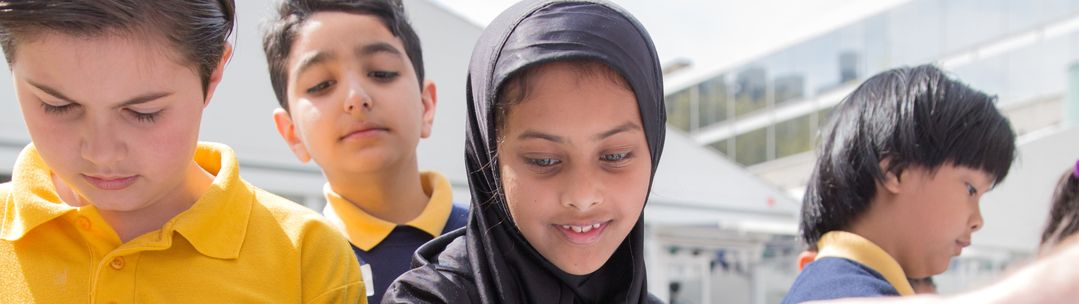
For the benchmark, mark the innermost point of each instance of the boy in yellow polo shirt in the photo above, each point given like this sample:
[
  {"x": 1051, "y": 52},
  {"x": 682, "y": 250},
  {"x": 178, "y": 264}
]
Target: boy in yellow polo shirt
[
  {"x": 348, "y": 76},
  {"x": 894, "y": 194},
  {"x": 115, "y": 200}
]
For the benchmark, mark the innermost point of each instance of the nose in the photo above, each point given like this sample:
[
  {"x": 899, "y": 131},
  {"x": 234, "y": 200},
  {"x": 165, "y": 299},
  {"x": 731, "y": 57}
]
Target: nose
[
  {"x": 101, "y": 144},
  {"x": 357, "y": 99},
  {"x": 582, "y": 191},
  {"x": 976, "y": 220}
]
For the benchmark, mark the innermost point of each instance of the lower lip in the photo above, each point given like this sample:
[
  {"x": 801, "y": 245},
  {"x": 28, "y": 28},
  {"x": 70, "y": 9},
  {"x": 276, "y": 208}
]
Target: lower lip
[
  {"x": 111, "y": 183},
  {"x": 583, "y": 238},
  {"x": 363, "y": 134},
  {"x": 959, "y": 247}
]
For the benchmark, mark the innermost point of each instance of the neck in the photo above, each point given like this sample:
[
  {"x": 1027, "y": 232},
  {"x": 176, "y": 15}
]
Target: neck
[
  {"x": 133, "y": 223},
  {"x": 879, "y": 225},
  {"x": 392, "y": 193}
]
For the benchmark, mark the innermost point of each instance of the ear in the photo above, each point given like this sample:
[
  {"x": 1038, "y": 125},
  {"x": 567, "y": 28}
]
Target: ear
[
  {"x": 891, "y": 179},
  {"x": 219, "y": 71},
  {"x": 287, "y": 130},
  {"x": 429, "y": 98}
]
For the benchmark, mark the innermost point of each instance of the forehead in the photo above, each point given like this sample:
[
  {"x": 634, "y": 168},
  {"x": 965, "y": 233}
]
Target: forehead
[
  {"x": 338, "y": 32},
  {"x": 563, "y": 99},
  {"x": 90, "y": 68}
]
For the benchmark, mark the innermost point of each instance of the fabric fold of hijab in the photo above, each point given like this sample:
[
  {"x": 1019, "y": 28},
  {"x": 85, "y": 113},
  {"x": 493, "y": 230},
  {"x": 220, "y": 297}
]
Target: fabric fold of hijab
[{"x": 506, "y": 267}]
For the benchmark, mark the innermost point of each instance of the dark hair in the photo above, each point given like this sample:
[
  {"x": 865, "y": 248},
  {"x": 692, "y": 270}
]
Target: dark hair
[
  {"x": 281, "y": 33},
  {"x": 1064, "y": 215},
  {"x": 913, "y": 117},
  {"x": 515, "y": 89},
  {"x": 196, "y": 30}
]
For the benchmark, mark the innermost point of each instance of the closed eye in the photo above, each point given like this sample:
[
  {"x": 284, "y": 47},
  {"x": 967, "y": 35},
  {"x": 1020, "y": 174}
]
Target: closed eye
[
  {"x": 58, "y": 110},
  {"x": 321, "y": 86}
]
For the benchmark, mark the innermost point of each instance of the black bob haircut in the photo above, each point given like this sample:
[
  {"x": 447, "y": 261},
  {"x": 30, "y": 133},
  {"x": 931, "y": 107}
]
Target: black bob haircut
[
  {"x": 292, "y": 14},
  {"x": 914, "y": 117}
]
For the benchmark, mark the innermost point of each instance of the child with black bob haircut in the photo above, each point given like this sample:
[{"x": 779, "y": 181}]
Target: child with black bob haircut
[{"x": 903, "y": 163}]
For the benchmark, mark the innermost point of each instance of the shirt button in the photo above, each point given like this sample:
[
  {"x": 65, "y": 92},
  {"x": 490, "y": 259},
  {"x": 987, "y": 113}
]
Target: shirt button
[
  {"x": 117, "y": 263},
  {"x": 83, "y": 222}
]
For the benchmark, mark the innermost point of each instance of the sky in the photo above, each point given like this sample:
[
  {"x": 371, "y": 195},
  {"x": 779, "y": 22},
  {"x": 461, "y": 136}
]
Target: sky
[{"x": 713, "y": 34}]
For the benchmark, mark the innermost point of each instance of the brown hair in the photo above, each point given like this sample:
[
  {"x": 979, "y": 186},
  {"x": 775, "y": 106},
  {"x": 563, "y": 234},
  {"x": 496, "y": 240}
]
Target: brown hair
[
  {"x": 196, "y": 30},
  {"x": 1064, "y": 214}
]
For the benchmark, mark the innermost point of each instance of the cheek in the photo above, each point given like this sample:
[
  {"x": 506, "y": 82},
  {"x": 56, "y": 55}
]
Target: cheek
[{"x": 167, "y": 145}]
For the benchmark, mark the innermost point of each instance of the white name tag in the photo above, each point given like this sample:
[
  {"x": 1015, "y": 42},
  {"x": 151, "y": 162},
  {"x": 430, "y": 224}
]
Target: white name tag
[{"x": 368, "y": 279}]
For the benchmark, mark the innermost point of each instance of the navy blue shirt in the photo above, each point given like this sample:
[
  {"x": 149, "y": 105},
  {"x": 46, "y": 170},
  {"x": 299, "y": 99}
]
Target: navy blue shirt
[
  {"x": 391, "y": 257},
  {"x": 836, "y": 278}
]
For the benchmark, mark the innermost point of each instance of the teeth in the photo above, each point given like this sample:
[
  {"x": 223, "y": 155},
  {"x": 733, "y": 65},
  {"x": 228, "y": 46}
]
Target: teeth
[{"x": 581, "y": 229}]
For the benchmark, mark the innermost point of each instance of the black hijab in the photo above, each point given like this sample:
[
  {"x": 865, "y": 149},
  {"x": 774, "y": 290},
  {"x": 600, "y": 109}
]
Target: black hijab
[{"x": 493, "y": 263}]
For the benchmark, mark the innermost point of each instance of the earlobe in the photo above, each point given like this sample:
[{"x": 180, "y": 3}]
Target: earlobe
[
  {"x": 219, "y": 71},
  {"x": 287, "y": 130},
  {"x": 429, "y": 98}
]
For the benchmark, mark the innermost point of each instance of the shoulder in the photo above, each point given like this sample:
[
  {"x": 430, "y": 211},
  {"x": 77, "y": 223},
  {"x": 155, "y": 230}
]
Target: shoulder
[
  {"x": 441, "y": 274},
  {"x": 301, "y": 224},
  {"x": 835, "y": 278},
  {"x": 458, "y": 218}
]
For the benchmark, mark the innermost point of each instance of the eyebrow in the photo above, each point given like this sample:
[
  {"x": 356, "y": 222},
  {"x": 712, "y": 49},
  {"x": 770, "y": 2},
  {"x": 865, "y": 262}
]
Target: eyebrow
[
  {"x": 312, "y": 60},
  {"x": 375, "y": 48},
  {"x": 320, "y": 57},
  {"x": 133, "y": 101},
  {"x": 626, "y": 127}
]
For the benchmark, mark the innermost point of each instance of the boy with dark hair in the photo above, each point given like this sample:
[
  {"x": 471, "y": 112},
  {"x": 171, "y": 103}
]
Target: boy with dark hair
[
  {"x": 348, "y": 76},
  {"x": 894, "y": 194}
]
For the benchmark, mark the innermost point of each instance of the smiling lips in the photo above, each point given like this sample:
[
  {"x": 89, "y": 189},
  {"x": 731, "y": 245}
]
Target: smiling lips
[{"x": 583, "y": 234}]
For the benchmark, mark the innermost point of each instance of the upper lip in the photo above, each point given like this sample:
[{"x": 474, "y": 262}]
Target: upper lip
[
  {"x": 584, "y": 222},
  {"x": 107, "y": 176},
  {"x": 361, "y": 127}
]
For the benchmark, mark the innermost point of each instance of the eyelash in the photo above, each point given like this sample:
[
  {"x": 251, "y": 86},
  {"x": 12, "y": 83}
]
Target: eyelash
[
  {"x": 550, "y": 162},
  {"x": 145, "y": 117},
  {"x": 384, "y": 76},
  {"x": 57, "y": 110},
  {"x": 61, "y": 110},
  {"x": 321, "y": 86},
  {"x": 971, "y": 190}
]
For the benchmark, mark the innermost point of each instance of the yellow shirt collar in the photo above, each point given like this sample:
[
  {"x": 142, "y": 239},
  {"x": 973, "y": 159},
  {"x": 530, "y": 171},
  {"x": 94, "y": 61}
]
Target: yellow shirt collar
[
  {"x": 215, "y": 225},
  {"x": 366, "y": 231},
  {"x": 32, "y": 199},
  {"x": 842, "y": 244}
]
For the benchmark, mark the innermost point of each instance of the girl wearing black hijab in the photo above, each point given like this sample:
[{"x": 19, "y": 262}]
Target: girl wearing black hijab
[{"x": 565, "y": 129}]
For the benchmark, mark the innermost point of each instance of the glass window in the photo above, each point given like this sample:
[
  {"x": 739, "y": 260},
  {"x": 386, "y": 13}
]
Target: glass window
[
  {"x": 794, "y": 136},
  {"x": 713, "y": 100},
  {"x": 751, "y": 93},
  {"x": 751, "y": 148},
  {"x": 721, "y": 147},
  {"x": 678, "y": 110},
  {"x": 789, "y": 88},
  {"x": 915, "y": 32}
]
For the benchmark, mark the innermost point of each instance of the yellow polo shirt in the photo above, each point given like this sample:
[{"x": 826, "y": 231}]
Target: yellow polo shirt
[
  {"x": 842, "y": 244},
  {"x": 236, "y": 244},
  {"x": 366, "y": 231}
]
